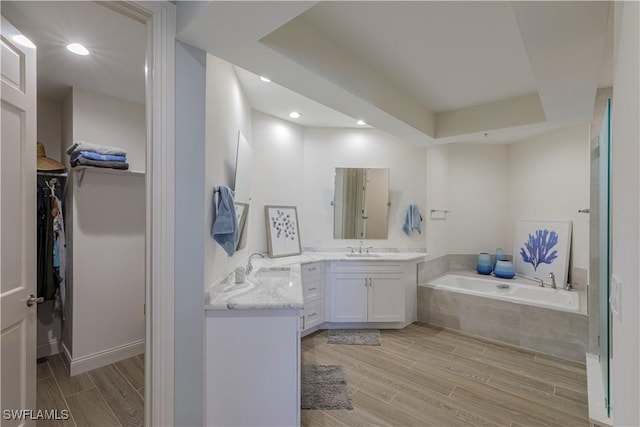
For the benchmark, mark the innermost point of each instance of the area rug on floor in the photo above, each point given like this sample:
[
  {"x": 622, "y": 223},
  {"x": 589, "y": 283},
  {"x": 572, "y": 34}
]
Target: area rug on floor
[
  {"x": 354, "y": 336},
  {"x": 324, "y": 387}
]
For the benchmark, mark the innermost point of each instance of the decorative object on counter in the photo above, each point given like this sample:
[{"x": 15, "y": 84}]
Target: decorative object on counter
[
  {"x": 412, "y": 220},
  {"x": 484, "y": 263},
  {"x": 224, "y": 228},
  {"x": 283, "y": 234},
  {"x": 499, "y": 256},
  {"x": 99, "y": 156},
  {"x": 324, "y": 387},
  {"x": 542, "y": 247},
  {"x": 354, "y": 336},
  {"x": 240, "y": 274},
  {"x": 242, "y": 210},
  {"x": 504, "y": 269},
  {"x": 44, "y": 163}
]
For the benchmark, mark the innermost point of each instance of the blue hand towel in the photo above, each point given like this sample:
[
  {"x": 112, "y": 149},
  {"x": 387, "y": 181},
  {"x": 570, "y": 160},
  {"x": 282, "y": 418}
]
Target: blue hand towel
[
  {"x": 225, "y": 223},
  {"x": 97, "y": 156},
  {"x": 413, "y": 220}
]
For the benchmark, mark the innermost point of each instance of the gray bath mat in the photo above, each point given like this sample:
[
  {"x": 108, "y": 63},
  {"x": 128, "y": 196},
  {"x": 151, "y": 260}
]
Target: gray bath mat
[
  {"x": 354, "y": 336},
  {"x": 324, "y": 387}
]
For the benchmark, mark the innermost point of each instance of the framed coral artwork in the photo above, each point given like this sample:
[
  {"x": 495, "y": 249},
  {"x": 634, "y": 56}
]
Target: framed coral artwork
[
  {"x": 283, "y": 235},
  {"x": 541, "y": 247}
]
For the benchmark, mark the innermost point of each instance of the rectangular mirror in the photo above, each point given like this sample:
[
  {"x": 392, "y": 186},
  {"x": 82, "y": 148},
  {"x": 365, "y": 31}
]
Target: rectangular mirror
[
  {"x": 361, "y": 203},
  {"x": 242, "y": 190}
]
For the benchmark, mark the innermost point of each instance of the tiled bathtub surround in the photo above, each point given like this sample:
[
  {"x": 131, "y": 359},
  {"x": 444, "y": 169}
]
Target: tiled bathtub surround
[{"x": 559, "y": 333}]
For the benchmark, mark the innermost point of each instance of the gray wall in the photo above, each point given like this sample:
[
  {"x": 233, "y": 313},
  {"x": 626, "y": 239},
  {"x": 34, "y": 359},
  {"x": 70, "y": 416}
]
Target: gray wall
[{"x": 189, "y": 239}]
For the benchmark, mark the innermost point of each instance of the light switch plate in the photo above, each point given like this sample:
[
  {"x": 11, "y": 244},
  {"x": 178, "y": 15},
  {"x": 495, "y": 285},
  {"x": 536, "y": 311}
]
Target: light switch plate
[{"x": 615, "y": 298}]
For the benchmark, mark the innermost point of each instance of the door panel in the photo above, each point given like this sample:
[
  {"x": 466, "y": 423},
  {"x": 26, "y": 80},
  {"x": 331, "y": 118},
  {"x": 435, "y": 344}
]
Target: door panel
[
  {"x": 348, "y": 298},
  {"x": 386, "y": 299},
  {"x": 17, "y": 224}
]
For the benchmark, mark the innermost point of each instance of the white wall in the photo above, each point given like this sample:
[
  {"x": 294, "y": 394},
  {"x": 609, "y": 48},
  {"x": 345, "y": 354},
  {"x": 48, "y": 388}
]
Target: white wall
[
  {"x": 277, "y": 175},
  {"x": 105, "y": 120},
  {"x": 549, "y": 178},
  {"x": 483, "y": 184},
  {"x": 189, "y": 238},
  {"x": 227, "y": 112},
  {"x": 477, "y": 198},
  {"x": 295, "y": 166},
  {"x": 625, "y": 212},
  {"x": 50, "y": 127},
  {"x": 328, "y": 148}
]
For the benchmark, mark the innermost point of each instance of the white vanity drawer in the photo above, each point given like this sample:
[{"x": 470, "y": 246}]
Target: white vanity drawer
[
  {"x": 312, "y": 269},
  {"x": 313, "y": 314},
  {"x": 312, "y": 287}
]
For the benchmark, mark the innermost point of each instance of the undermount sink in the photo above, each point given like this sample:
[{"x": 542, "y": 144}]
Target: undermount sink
[
  {"x": 273, "y": 272},
  {"x": 362, "y": 255}
]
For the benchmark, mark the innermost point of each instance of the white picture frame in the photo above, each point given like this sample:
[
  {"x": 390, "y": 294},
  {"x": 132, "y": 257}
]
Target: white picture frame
[
  {"x": 283, "y": 233},
  {"x": 541, "y": 247}
]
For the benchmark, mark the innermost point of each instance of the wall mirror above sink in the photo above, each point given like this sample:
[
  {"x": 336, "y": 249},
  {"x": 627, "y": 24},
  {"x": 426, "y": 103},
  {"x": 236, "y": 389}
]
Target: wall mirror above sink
[
  {"x": 242, "y": 186},
  {"x": 361, "y": 203}
]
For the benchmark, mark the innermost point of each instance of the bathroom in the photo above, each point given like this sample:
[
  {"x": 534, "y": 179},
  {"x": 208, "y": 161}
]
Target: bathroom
[{"x": 543, "y": 174}]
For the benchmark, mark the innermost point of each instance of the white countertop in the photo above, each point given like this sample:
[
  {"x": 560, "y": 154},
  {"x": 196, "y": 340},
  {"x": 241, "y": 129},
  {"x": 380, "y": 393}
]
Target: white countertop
[{"x": 265, "y": 288}]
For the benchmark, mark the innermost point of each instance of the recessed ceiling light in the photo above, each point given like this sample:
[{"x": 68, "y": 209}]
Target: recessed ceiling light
[
  {"x": 24, "y": 41},
  {"x": 78, "y": 49},
  {"x": 361, "y": 122},
  {"x": 264, "y": 79},
  {"x": 294, "y": 115}
]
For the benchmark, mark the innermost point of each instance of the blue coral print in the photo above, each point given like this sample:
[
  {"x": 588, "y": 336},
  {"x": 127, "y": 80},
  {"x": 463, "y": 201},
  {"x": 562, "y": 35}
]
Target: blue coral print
[{"x": 538, "y": 248}]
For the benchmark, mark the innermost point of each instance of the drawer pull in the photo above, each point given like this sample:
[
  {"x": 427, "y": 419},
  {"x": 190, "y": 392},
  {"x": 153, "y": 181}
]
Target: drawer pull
[
  {"x": 313, "y": 289},
  {"x": 312, "y": 314},
  {"x": 312, "y": 269}
]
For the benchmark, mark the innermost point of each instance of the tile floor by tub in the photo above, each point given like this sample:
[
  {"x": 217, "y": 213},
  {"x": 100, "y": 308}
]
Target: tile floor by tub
[
  {"x": 428, "y": 376},
  {"x": 111, "y": 396}
]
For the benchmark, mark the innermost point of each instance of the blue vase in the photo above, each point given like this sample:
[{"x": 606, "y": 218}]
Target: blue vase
[
  {"x": 499, "y": 256},
  {"x": 484, "y": 263},
  {"x": 504, "y": 270}
]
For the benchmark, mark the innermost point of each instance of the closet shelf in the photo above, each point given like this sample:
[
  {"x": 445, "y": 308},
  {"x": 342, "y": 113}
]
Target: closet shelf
[{"x": 82, "y": 170}]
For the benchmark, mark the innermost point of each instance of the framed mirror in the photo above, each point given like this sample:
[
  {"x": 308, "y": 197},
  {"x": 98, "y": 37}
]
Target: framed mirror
[
  {"x": 361, "y": 203},
  {"x": 242, "y": 186}
]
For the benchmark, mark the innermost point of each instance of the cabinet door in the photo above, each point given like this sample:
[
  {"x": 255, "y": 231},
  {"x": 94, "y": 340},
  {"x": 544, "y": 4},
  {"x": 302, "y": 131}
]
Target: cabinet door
[
  {"x": 348, "y": 298},
  {"x": 386, "y": 299}
]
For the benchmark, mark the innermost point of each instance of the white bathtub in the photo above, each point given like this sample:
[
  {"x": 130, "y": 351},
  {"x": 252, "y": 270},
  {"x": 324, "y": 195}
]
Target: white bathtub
[{"x": 515, "y": 291}]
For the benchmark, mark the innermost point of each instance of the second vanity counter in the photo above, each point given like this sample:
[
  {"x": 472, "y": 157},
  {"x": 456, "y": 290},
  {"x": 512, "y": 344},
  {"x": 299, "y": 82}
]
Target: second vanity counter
[{"x": 277, "y": 284}]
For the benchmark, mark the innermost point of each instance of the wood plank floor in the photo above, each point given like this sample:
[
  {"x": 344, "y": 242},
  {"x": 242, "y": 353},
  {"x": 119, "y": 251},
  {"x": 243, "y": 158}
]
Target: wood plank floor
[
  {"x": 428, "y": 376},
  {"x": 111, "y": 396}
]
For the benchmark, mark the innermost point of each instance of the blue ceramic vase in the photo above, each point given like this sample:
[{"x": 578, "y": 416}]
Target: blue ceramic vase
[
  {"x": 504, "y": 269},
  {"x": 484, "y": 263},
  {"x": 499, "y": 256}
]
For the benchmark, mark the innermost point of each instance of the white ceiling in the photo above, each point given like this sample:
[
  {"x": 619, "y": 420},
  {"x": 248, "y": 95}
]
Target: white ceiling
[
  {"x": 117, "y": 44},
  {"x": 424, "y": 71}
]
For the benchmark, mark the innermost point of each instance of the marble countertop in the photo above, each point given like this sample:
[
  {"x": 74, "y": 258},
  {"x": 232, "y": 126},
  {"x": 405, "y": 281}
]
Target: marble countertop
[{"x": 276, "y": 283}]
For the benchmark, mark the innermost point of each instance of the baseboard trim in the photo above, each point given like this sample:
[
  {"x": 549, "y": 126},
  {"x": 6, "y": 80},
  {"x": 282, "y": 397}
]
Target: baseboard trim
[
  {"x": 104, "y": 358},
  {"x": 48, "y": 349}
]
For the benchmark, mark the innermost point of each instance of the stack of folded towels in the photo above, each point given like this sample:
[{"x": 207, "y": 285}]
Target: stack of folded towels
[{"x": 100, "y": 156}]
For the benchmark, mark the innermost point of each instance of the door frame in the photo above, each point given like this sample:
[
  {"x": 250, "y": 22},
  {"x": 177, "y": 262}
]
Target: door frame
[{"x": 159, "y": 17}]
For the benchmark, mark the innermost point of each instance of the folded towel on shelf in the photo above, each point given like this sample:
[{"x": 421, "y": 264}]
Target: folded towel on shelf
[
  {"x": 412, "y": 220},
  {"x": 224, "y": 229},
  {"x": 83, "y": 161},
  {"x": 97, "y": 156},
  {"x": 96, "y": 148}
]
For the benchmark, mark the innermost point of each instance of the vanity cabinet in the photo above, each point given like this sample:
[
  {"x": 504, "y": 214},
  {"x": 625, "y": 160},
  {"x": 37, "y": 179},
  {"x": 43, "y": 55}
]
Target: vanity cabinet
[
  {"x": 312, "y": 314},
  {"x": 367, "y": 292}
]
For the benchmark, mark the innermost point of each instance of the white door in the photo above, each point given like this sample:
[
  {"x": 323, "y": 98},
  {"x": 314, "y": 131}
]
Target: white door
[
  {"x": 386, "y": 299},
  {"x": 17, "y": 226},
  {"x": 348, "y": 298}
]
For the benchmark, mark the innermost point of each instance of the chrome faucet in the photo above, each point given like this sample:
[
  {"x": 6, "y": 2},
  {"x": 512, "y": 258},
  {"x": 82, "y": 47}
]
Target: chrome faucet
[
  {"x": 249, "y": 267},
  {"x": 361, "y": 246},
  {"x": 553, "y": 280},
  {"x": 541, "y": 282}
]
